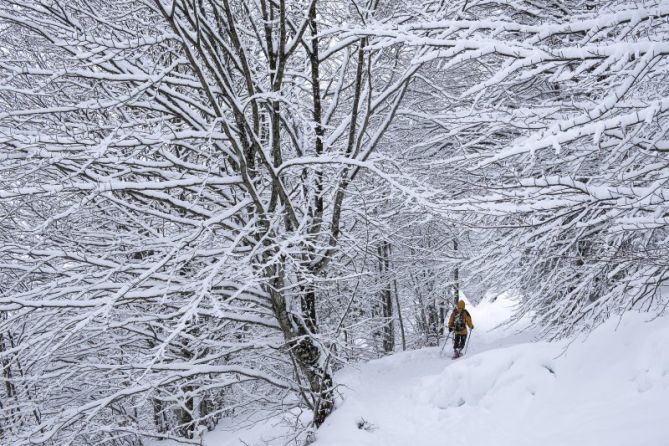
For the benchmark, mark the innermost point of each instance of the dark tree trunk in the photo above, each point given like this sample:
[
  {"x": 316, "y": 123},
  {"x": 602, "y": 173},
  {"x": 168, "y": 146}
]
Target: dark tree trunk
[
  {"x": 386, "y": 298},
  {"x": 159, "y": 416},
  {"x": 299, "y": 333},
  {"x": 456, "y": 278},
  {"x": 399, "y": 315}
]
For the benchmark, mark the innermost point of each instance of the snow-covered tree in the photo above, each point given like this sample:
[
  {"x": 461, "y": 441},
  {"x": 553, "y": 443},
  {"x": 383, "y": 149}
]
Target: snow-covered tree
[
  {"x": 176, "y": 173},
  {"x": 208, "y": 205},
  {"x": 549, "y": 122}
]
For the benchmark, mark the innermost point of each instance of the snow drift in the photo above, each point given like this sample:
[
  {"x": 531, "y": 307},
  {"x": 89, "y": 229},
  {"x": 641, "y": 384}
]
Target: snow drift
[{"x": 609, "y": 388}]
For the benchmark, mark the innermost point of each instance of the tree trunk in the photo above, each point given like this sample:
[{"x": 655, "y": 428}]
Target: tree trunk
[
  {"x": 159, "y": 416},
  {"x": 399, "y": 316},
  {"x": 456, "y": 278},
  {"x": 388, "y": 334},
  {"x": 299, "y": 331}
]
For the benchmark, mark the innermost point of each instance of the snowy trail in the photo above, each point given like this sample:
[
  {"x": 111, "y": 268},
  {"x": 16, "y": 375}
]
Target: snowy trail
[
  {"x": 384, "y": 395},
  {"x": 609, "y": 389},
  {"x": 389, "y": 394}
]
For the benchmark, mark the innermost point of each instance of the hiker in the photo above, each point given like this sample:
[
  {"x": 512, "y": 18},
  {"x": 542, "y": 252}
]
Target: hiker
[{"x": 457, "y": 324}]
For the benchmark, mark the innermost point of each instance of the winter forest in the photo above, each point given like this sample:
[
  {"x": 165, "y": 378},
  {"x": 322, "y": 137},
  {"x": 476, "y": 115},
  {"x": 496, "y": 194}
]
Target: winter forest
[{"x": 213, "y": 211}]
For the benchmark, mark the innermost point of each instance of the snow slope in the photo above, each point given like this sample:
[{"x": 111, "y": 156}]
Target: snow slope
[{"x": 610, "y": 388}]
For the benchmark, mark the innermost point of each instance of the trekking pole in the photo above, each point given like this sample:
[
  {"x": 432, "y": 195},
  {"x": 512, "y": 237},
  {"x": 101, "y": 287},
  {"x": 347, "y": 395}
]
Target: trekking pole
[
  {"x": 471, "y": 333},
  {"x": 441, "y": 352}
]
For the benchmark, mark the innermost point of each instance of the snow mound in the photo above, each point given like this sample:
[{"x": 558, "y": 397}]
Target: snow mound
[
  {"x": 608, "y": 388},
  {"x": 496, "y": 380}
]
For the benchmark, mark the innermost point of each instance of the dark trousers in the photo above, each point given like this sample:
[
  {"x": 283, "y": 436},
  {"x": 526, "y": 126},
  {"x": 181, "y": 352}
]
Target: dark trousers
[{"x": 459, "y": 341}]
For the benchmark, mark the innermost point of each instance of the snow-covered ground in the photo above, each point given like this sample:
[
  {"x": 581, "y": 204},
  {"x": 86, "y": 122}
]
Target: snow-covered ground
[{"x": 610, "y": 388}]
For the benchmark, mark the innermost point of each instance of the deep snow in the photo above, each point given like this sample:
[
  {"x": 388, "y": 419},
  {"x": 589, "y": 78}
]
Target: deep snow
[{"x": 610, "y": 388}]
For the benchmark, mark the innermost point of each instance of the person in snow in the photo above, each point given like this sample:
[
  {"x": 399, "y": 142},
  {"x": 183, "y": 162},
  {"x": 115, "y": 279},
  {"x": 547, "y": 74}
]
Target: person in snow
[{"x": 457, "y": 324}]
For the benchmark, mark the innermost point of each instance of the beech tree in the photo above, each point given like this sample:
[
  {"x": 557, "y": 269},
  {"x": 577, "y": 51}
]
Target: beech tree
[{"x": 176, "y": 173}]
